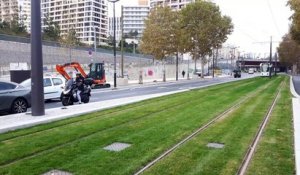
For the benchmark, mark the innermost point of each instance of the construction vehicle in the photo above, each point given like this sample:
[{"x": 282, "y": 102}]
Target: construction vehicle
[{"x": 96, "y": 76}]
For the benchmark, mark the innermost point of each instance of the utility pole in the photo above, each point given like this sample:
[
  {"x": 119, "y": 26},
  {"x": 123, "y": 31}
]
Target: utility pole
[
  {"x": 213, "y": 64},
  {"x": 275, "y": 64},
  {"x": 37, "y": 88},
  {"x": 270, "y": 71},
  {"x": 122, "y": 43},
  {"x": 95, "y": 43}
]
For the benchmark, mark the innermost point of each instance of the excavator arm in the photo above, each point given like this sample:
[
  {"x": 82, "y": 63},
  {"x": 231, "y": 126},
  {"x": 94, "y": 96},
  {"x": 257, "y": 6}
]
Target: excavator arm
[{"x": 75, "y": 65}]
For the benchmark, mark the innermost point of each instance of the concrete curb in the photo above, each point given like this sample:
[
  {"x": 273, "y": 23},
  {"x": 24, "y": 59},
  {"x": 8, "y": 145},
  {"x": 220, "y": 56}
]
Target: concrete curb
[
  {"x": 296, "y": 119},
  {"x": 20, "y": 121}
]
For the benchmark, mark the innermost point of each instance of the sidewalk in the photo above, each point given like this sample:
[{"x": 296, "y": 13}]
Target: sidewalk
[
  {"x": 296, "y": 117},
  {"x": 23, "y": 120}
]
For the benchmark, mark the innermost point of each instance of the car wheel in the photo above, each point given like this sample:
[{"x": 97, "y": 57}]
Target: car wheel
[{"x": 19, "y": 106}]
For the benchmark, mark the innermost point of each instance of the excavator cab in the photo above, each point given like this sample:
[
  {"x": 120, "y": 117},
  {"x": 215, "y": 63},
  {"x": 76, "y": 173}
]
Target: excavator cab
[{"x": 97, "y": 71}]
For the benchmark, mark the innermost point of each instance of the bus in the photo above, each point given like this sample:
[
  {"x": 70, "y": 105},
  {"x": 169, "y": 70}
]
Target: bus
[{"x": 265, "y": 69}]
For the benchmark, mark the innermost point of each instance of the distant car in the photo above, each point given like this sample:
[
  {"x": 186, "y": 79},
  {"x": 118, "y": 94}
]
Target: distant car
[
  {"x": 198, "y": 72},
  {"x": 53, "y": 86},
  {"x": 251, "y": 71},
  {"x": 236, "y": 73},
  {"x": 14, "y": 98}
]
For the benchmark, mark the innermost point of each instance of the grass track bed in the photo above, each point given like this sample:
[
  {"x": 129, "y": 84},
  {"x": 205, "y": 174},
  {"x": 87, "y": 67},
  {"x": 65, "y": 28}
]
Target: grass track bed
[
  {"x": 115, "y": 111},
  {"x": 277, "y": 141},
  {"x": 149, "y": 135},
  {"x": 236, "y": 131},
  {"x": 33, "y": 144}
]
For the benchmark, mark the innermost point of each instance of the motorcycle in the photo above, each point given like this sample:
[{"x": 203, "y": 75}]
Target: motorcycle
[{"x": 69, "y": 94}]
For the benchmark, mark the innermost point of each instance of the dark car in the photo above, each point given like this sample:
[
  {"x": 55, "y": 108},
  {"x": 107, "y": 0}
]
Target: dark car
[
  {"x": 13, "y": 97},
  {"x": 236, "y": 73}
]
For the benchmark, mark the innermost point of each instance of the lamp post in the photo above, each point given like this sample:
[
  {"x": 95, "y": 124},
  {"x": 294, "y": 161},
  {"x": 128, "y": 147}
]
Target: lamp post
[
  {"x": 115, "y": 59},
  {"x": 37, "y": 98},
  {"x": 270, "y": 61},
  {"x": 95, "y": 44}
]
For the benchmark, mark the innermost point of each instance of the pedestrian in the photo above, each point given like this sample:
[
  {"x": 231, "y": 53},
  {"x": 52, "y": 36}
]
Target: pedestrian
[
  {"x": 183, "y": 73},
  {"x": 80, "y": 87}
]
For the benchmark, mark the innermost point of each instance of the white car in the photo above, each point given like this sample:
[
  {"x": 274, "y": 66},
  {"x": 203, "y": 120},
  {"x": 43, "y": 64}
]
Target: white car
[
  {"x": 251, "y": 71},
  {"x": 53, "y": 86}
]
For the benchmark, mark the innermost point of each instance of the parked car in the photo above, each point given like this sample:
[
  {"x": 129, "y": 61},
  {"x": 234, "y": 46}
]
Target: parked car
[
  {"x": 236, "y": 73},
  {"x": 53, "y": 86},
  {"x": 251, "y": 71},
  {"x": 14, "y": 98}
]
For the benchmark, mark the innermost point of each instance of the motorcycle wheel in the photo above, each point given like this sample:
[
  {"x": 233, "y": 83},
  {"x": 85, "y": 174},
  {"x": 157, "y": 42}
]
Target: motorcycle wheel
[
  {"x": 85, "y": 99},
  {"x": 66, "y": 101}
]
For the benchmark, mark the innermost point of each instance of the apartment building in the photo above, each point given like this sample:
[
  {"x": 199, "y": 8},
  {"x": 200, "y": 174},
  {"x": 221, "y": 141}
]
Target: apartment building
[
  {"x": 87, "y": 17},
  {"x": 143, "y": 2},
  {"x": 134, "y": 19},
  {"x": 174, "y": 4},
  {"x": 20, "y": 8},
  {"x": 118, "y": 28}
]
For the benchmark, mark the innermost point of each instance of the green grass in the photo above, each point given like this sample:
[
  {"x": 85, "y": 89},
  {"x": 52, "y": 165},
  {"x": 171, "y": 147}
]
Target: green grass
[
  {"x": 152, "y": 126},
  {"x": 236, "y": 131},
  {"x": 275, "y": 150}
]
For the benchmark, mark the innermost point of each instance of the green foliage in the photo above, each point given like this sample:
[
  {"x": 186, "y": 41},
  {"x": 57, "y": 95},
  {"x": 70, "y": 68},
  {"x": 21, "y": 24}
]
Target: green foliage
[
  {"x": 295, "y": 27},
  {"x": 70, "y": 40},
  {"x": 156, "y": 36},
  {"x": 198, "y": 28},
  {"x": 52, "y": 30},
  {"x": 132, "y": 34},
  {"x": 206, "y": 27},
  {"x": 15, "y": 26},
  {"x": 289, "y": 51}
]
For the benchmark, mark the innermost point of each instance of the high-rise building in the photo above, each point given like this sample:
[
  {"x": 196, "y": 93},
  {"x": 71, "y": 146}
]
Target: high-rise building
[
  {"x": 143, "y": 2},
  {"x": 118, "y": 28},
  {"x": 134, "y": 19},
  {"x": 88, "y": 18},
  {"x": 10, "y": 9},
  {"x": 174, "y": 4}
]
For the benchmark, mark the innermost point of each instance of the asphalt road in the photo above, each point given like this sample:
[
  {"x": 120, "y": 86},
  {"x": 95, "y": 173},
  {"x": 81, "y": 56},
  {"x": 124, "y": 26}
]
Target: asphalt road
[
  {"x": 296, "y": 81},
  {"x": 146, "y": 89}
]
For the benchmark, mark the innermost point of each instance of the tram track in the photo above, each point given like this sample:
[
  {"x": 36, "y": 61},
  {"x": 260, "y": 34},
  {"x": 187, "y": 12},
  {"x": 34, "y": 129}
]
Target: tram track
[
  {"x": 251, "y": 149},
  {"x": 105, "y": 115},
  {"x": 200, "y": 130},
  {"x": 38, "y": 153}
]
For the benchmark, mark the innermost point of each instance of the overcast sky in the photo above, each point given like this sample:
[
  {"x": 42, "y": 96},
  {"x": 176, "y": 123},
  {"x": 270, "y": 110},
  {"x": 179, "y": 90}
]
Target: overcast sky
[{"x": 255, "y": 21}]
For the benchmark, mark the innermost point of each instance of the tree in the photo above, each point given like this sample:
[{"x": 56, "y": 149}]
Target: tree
[
  {"x": 295, "y": 27},
  {"x": 133, "y": 34},
  {"x": 52, "y": 30},
  {"x": 14, "y": 26},
  {"x": 206, "y": 28},
  {"x": 70, "y": 41},
  {"x": 289, "y": 52},
  {"x": 156, "y": 36},
  {"x": 110, "y": 40}
]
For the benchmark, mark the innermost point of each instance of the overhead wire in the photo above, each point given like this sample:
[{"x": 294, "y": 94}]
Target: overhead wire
[{"x": 273, "y": 17}]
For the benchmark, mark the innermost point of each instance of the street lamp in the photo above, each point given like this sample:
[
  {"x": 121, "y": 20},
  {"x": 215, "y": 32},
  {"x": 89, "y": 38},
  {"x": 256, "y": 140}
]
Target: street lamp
[
  {"x": 115, "y": 59},
  {"x": 37, "y": 98}
]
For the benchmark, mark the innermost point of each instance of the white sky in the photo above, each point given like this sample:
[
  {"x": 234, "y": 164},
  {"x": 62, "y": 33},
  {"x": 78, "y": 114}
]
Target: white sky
[{"x": 255, "y": 21}]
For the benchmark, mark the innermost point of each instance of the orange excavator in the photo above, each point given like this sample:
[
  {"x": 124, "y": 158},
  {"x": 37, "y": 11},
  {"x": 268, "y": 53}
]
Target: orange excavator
[{"x": 96, "y": 76}]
